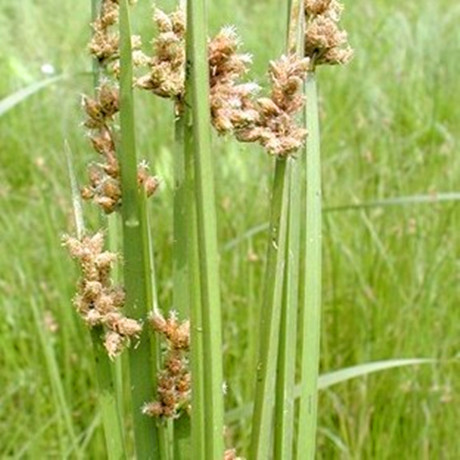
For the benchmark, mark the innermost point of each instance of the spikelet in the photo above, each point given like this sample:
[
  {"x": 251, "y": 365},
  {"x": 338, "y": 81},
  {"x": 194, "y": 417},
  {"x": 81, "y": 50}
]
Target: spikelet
[
  {"x": 166, "y": 77},
  {"x": 174, "y": 381},
  {"x": 104, "y": 187},
  {"x": 325, "y": 42},
  {"x": 98, "y": 301},
  {"x": 232, "y": 106},
  {"x": 276, "y": 128},
  {"x": 235, "y": 108}
]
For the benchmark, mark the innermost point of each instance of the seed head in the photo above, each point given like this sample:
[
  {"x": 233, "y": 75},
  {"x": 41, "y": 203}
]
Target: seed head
[
  {"x": 97, "y": 300},
  {"x": 325, "y": 43}
]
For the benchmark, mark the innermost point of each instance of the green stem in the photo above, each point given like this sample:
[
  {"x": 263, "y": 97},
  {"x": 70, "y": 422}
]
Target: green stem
[
  {"x": 135, "y": 248},
  {"x": 270, "y": 317},
  {"x": 198, "y": 89},
  {"x": 284, "y": 412},
  {"x": 181, "y": 298},
  {"x": 285, "y": 401},
  {"x": 311, "y": 308},
  {"x": 163, "y": 426},
  {"x": 180, "y": 275},
  {"x": 107, "y": 399},
  {"x": 197, "y": 358}
]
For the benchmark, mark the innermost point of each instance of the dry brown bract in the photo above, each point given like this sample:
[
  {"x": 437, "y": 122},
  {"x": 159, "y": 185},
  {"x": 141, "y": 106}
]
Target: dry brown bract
[
  {"x": 167, "y": 66},
  {"x": 174, "y": 379},
  {"x": 97, "y": 300},
  {"x": 325, "y": 43}
]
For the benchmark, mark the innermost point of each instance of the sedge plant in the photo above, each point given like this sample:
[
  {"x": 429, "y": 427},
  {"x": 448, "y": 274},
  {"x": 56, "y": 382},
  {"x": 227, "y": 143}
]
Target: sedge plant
[{"x": 177, "y": 388}]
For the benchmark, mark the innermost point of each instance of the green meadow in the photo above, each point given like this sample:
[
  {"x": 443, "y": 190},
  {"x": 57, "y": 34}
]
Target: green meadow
[{"x": 391, "y": 186}]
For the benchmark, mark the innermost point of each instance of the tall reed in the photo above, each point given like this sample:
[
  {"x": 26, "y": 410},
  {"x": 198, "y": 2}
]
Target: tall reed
[
  {"x": 286, "y": 367},
  {"x": 135, "y": 252},
  {"x": 203, "y": 78},
  {"x": 324, "y": 43},
  {"x": 198, "y": 85}
]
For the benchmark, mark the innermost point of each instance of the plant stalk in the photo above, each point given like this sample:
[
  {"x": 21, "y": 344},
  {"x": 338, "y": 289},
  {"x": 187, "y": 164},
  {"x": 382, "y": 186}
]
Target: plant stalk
[
  {"x": 311, "y": 308},
  {"x": 108, "y": 398},
  {"x": 270, "y": 317},
  {"x": 285, "y": 401},
  {"x": 198, "y": 95},
  {"x": 135, "y": 250},
  {"x": 196, "y": 330}
]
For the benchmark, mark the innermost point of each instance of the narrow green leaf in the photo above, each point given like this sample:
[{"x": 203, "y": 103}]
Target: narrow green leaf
[
  {"x": 386, "y": 202},
  {"x": 21, "y": 95},
  {"x": 334, "y": 378},
  {"x": 55, "y": 379},
  {"x": 361, "y": 370},
  {"x": 398, "y": 201}
]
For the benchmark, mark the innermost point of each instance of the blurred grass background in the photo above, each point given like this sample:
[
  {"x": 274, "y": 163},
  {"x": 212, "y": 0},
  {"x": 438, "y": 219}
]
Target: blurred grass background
[{"x": 391, "y": 277}]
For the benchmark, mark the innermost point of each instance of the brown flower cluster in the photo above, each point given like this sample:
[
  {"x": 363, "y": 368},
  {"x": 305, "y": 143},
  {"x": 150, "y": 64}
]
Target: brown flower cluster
[
  {"x": 104, "y": 177},
  {"x": 97, "y": 300},
  {"x": 276, "y": 128},
  {"x": 167, "y": 66},
  {"x": 174, "y": 379},
  {"x": 325, "y": 43},
  {"x": 104, "y": 45},
  {"x": 232, "y": 106}
]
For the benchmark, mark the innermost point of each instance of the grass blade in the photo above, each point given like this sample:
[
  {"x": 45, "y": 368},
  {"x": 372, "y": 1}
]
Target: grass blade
[
  {"x": 21, "y": 95},
  {"x": 284, "y": 410},
  {"x": 361, "y": 370},
  {"x": 335, "y": 377},
  {"x": 181, "y": 295},
  {"x": 55, "y": 379},
  {"x": 398, "y": 201},
  {"x": 385, "y": 202},
  {"x": 134, "y": 250}
]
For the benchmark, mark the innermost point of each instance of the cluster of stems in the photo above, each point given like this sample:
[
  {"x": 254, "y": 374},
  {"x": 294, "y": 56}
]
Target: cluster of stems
[{"x": 206, "y": 80}]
